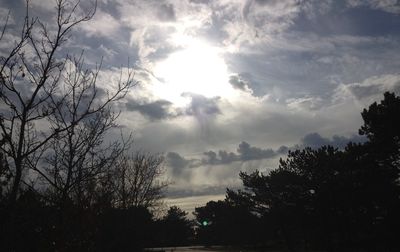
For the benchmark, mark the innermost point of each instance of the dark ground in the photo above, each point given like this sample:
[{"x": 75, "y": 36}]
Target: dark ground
[{"x": 202, "y": 249}]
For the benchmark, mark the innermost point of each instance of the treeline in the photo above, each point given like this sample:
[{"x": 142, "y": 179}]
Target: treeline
[
  {"x": 319, "y": 199},
  {"x": 114, "y": 211}
]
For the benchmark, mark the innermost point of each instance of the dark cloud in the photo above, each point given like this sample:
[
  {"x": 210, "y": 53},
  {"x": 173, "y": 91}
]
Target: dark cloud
[
  {"x": 227, "y": 157},
  {"x": 222, "y": 157},
  {"x": 176, "y": 162},
  {"x": 315, "y": 140},
  {"x": 283, "y": 150},
  {"x": 201, "y": 105},
  {"x": 155, "y": 110},
  {"x": 166, "y": 12},
  {"x": 237, "y": 82},
  {"x": 179, "y": 166},
  {"x": 211, "y": 158},
  {"x": 248, "y": 152},
  {"x": 245, "y": 152}
]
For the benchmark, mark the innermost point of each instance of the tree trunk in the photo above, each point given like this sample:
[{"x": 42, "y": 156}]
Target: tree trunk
[{"x": 16, "y": 183}]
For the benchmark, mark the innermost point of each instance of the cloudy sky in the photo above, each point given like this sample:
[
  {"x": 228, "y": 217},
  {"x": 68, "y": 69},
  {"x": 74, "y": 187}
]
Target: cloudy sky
[{"x": 230, "y": 85}]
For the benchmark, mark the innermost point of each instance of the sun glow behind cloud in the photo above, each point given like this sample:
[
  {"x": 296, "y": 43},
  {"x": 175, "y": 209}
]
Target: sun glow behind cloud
[{"x": 198, "y": 68}]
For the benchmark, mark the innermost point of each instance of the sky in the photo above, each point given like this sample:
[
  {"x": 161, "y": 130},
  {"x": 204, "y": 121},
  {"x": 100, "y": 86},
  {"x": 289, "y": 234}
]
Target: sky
[{"x": 225, "y": 86}]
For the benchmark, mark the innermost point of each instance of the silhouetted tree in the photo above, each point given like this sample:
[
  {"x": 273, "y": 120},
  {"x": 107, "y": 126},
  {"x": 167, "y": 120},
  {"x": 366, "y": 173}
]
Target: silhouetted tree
[
  {"x": 220, "y": 223},
  {"x": 27, "y": 86},
  {"x": 175, "y": 228},
  {"x": 129, "y": 229},
  {"x": 57, "y": 93},
  {"x": 299, "y": 192},
  {"x": 5, "y": 177},
  {"x": 53, "y": 119},
  {"x": 137, "y": 180},
  {"x": 334, "y": 199},
  {"x": 382, "y": 127},
  {"x": 78, "y": 158}
]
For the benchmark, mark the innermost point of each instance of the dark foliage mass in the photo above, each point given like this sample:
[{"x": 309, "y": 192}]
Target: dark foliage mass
[
  {"x": 174, "y": 229},
  {"x": 226, "y": 224},
  {"x": 320, "y": 199}
]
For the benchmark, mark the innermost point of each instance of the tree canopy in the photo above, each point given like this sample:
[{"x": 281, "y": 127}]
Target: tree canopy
[{"x": 325, "y": 198}]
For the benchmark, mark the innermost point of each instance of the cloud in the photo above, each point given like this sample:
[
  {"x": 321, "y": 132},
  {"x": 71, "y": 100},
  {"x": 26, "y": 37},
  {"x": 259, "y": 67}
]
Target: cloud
[
  {"x": 296, "y": 66},
  {"x": 346, "y": 21},
  {"x": 248, "y": 152},
  {"x": 183, "y": 167},
  {"x": 200, "y": 1},
  {"x": 166, "y": 12},
  {"x": 176, "y": 162},
  {"x": 227, "y": 157},
  {"x": 220, "y": 157},
  {"x": 237, "y": 82},
  {"x": 270, "y": 16},
  {"x": 5, "y": 15},
  {"x": 155, "y": 110},
  {"x": 201, "y": 106},
  {"x": 305, "y": 63},
  {"x": 46, "y": 5},
  {"x": 245, "y": 152},
  {"x": 315, "y": 140},
  {"x": 151, "y": 40},
  {"x": 368, "y": 90},
  {"x": 196, "y": 191},
  {"x": 307, "y": 103},
  {"x": 315, "y": 8},
  {"x": 102, "y": 24},
  {"x": 391, "y": 6}
]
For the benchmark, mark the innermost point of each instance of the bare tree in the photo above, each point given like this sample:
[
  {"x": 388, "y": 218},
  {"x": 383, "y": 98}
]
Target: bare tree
[
  {"x": 137, "y": 181},
  {"x": 79, "y": 157},
  {"x": 5, "y": 174},
  {"x": 37, "y": 88}
]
